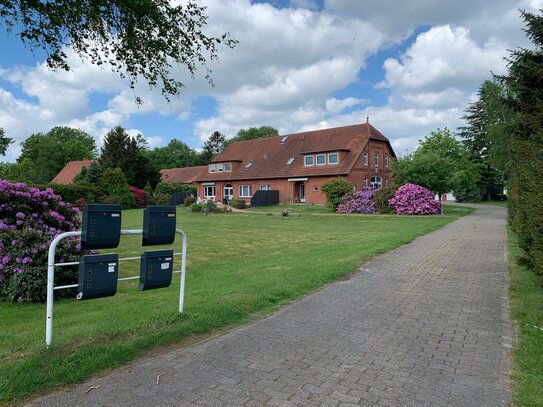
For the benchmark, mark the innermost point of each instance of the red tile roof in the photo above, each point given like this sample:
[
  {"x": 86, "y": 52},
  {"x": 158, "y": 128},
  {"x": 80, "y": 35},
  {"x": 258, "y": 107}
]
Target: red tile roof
[
  {"x": 270, "y": 156},
  {"x": 185, "y": 175},
  {"x": 70, "y": 170}
]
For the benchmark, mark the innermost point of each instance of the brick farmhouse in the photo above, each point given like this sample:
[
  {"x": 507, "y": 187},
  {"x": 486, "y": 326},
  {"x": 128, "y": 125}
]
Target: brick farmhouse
[{"x": 298, "y": 164}]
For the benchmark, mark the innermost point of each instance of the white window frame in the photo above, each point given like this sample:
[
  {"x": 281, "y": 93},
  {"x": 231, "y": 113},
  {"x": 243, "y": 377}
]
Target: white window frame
[
  {"x": 249, "y": 164},
  {"x": 220, "y": 167},
  {"x": 211, "y": 167},
  {"x": 227, "y": 167},
  {"x": 376, "y": 160},
  {"x": 365, "y": 159},
  {"x": 379, "y": 183},
  {"x": 291, "y": 160},
  {"x": 337, "y": 158},
  {"x": 265, "y": 187},
  {"x": 386, "y": 161},
  {"x": 211, "y": 188},
  {"x": 242, "y": 192},
  {"x": 323, "y": 159},
  {"x": 312, "y": 161}
]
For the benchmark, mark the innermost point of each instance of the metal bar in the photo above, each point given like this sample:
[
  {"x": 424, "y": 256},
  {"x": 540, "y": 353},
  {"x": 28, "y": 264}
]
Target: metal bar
[
  {"x": 183, "y": 270},
  {"x": 75, "y": 263},
  {"x": 62, "y": 287},
  {"x": 51, "y": 284}
]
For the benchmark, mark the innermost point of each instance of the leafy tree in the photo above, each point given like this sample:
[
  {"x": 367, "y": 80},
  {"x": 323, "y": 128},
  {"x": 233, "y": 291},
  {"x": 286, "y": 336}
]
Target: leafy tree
[
  {"x": 252, "y": 133},
  {"x": 5, "y": 141},
  {"x": 524, "y": 82},
  {"x": 128, "y": 153},
  {"x": 175, "y": 155},
  {"x": 135, "y": 38},
  {"x": 23, "y": 171},
  {"x": 440, "y": 163},
  {"x": 51, "y": 151},
  {"x": 486, "y": 134},
  {"x": 212, "y": 147}
]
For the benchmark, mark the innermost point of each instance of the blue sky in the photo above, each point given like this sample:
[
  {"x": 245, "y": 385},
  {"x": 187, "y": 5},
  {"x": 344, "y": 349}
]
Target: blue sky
[{"x": 412, "y": 67}]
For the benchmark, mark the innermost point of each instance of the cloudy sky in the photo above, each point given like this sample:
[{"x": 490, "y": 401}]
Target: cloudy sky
[{"x": 411, "y": 66}]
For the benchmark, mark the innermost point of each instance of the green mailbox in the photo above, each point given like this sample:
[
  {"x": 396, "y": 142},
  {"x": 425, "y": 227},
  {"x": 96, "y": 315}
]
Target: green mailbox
[
  {"x": 98, "y": 276},
  {"x": 101, "y": 226},
  {"x": 156, "y": 267},
  {"x": 158, "y": 225}
]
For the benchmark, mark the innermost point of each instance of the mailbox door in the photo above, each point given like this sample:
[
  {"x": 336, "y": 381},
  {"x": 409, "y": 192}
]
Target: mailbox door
[
  {"x": 98, "y": 276},
  {"x": 156, "y": 267},
  {"x": 101, "y": 226},
  {"x": 158, "y": 225}
]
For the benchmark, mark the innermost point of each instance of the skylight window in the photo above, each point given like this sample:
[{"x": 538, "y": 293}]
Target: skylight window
[
  {"x": 284, "y": 139},
  {"x": 291, "y": 160},
  {"x": 248, "y": 165}
]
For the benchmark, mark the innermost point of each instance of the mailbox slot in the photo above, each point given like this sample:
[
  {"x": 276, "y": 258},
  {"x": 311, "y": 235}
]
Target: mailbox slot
[
  {"x": 156, "y": 268},
  {"x": 98, "y": 276},
  {"x": 101, "y": 226},
  {"x": 158, "y": 225}
]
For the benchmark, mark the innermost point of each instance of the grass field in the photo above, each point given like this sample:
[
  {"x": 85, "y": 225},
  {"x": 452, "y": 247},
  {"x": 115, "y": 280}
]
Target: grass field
[
  {"x": 526, "y": 292},
  {"x": 240, "y": 266}
]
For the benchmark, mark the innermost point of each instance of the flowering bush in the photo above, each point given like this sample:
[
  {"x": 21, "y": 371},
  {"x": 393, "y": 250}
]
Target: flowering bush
[
  {"x": 140, "y": 196},
  {"x": 411, "y": 199},
  {"x": 29, "y": 220},
  {"x": 357, "y": 202}
]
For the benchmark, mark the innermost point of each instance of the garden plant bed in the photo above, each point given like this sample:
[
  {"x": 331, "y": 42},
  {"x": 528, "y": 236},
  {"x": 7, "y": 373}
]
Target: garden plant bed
[{"x": 240, "y": 267}]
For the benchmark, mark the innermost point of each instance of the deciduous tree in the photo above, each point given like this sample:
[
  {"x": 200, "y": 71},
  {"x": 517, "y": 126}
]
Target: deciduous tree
[
  {"x": 252, "y": 133},
  {"x": 5, "y": 141}
]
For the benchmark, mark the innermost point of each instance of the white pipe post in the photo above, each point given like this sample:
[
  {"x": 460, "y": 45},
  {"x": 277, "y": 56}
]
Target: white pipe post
[
  {"x": 183, "y": 268},
  {"x": 51, "y": 284}
]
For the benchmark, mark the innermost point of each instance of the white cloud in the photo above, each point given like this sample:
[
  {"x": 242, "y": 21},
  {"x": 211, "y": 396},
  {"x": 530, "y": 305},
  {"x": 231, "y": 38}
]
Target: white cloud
[{"x": 334, "y": 105}]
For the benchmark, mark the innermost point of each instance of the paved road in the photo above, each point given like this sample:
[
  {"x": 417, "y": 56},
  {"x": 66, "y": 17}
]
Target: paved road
[{"x": 425, "y": 325}]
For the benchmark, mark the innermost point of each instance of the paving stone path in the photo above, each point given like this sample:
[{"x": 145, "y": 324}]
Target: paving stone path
[{"x": 424, "y": 325}]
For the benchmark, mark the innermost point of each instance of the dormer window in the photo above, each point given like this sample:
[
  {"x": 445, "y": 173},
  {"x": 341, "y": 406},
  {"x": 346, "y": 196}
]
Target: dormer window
[
  {"x": 320, "y": 159},
  {"x": 291, "y": 160},
  {"x": 212, "y": 168},
  {"x": 227, "y": 167},
  {"x": 309, "y": 161},
  {"x": 249, "y": 164},
  {"x": 220, "y": 167},
  {"x": 333, "y": 158}
]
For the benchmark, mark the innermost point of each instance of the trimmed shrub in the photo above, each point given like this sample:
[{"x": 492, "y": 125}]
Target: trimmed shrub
[
  {"x": 31, "y": 219},
  {"x": 71, "y": 193},
  {"x": 172, "y": 187},
  {"x": 238, "y": 203},
  {"x": 335, "y": 189},
  {"x": 357, "y": 202},
  {"x": 412, "y": 199},
  {"x": 196, "y": 207},
  {"x": 211, "y": 207},
  {"x": 381, "y": 198},
  {"x": 161, "y": 199},
  {"x": 189, "y": 200}
]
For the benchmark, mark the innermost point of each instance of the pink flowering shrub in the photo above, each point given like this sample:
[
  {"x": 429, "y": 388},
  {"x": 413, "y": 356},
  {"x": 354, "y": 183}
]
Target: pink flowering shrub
[
  {"x": 411, "y": 199},
  {"x": 140, "y": 196},
  {"x": 29, "y": 220},
  {"x": 358, "y": 202}
]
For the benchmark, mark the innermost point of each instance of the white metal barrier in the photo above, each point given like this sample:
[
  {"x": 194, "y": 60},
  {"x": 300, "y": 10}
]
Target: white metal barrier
[{"x": 51, "y": 274}]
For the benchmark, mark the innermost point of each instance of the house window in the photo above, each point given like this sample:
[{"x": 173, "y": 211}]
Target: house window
[
  {"x": 333, "y": 158},
  {"x": 209, "y": 191},
  {"x": 321, "y": 159},
  {"x": 245, "y": 191},
  {"x": 227, "y": 167},
  {"x": 265, "y": 187},
  {"x": 365, "y": 159},
  {"x": 284, "y": 139},
  {"x": 365, "y": 182},
  {"x": 376, "y": 182},
  {"x": 220, "y": 168},
  {"x": 211, "y": 167},
  {"x": 386, "y": 161},
  {"x": 308, "y": 160},
  {"x": 248, "y": 165},
  {"x": 291, "y": 160},
  {"x": 376, "y": 160}
]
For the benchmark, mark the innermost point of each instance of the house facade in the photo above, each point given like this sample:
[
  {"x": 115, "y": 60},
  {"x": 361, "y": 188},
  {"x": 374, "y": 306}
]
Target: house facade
[{"x": 298, "y": 164}]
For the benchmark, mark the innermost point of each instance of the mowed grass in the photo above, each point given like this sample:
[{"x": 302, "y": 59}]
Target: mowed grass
[
  {"x": 240, "y": 266},
  {"x": 526, "y": 292}
]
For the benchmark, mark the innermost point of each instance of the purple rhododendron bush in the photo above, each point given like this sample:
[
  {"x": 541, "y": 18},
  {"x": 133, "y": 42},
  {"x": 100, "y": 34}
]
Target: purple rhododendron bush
[
  {"x": 412, "y": 199},
  {"x": 29, "y": 220},
  {"x": 358, "y": 202}
]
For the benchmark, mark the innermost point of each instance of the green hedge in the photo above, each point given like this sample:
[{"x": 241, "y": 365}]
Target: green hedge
[{"x": 71, "y": 193}]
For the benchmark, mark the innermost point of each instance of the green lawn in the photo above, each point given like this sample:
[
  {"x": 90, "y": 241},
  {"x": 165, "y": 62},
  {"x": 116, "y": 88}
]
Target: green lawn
[
  {"x": 526, "y": 292},
  {"x": 240, "y": 266}
]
